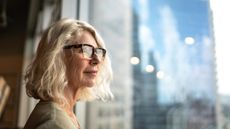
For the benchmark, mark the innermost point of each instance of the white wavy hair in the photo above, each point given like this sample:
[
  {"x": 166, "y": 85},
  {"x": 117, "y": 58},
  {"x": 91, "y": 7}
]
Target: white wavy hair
[{"x": 46, "y": 77}]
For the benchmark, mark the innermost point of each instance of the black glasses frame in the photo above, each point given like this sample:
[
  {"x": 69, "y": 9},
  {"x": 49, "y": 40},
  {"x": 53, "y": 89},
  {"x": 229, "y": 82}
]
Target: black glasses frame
[{"x": 94, "y": 50}]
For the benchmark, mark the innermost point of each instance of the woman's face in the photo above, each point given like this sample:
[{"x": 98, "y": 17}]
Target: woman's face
[{"x": 82, "y": 71}]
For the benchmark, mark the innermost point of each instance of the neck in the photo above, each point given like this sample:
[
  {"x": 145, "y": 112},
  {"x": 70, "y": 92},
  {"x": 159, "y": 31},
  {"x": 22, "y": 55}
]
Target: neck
[
  {"x": 71, "y": 97},
  {"x": 71, "y": 101}
]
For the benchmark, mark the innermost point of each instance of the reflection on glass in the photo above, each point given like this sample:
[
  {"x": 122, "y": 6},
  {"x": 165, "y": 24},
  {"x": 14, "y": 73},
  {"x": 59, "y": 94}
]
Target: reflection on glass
[
  {"x": 149, "y": 68},
  {"x": 160, "y": 74},
  {"x": 134, "y": 60},
  {"x": 189, "y": 40},
  {"x": 175, "y": 80}
]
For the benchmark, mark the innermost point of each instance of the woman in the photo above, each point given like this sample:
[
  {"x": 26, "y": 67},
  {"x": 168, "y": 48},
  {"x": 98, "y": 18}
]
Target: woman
[{"x": 70, "y": 65}]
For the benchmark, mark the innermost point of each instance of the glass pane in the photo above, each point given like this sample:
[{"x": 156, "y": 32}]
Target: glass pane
[
  {"x": 174, "y": 83},
  {"x": 163, "y": 60}
]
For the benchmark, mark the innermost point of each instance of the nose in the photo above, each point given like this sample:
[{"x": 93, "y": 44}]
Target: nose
[{"x": 95, "y": 60}]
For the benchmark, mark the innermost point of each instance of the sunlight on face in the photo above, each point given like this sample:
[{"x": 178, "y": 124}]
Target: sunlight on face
[{"x": 82, "y": 72}]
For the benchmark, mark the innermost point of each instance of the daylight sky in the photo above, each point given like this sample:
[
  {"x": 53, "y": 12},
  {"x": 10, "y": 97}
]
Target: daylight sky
[{"x": 179, "y": 35}]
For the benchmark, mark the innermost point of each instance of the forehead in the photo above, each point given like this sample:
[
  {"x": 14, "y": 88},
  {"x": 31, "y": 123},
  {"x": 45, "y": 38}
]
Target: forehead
[{"x": 85, "y": 37}]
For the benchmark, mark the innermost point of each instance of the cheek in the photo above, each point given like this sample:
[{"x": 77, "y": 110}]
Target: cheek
[
  {"x": 77, "y": 68},
  {"x": 72, "y": 70}
]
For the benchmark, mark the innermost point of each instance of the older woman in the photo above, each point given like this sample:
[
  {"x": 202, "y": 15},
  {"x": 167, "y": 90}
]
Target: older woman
[{"x": 70, "y": 65}]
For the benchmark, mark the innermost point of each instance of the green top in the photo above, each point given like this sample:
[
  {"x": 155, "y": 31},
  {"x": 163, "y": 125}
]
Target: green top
[{"x": 48, "y": 115}]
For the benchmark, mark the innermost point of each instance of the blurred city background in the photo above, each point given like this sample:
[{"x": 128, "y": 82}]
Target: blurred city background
[{"x": 169, "y": 57}]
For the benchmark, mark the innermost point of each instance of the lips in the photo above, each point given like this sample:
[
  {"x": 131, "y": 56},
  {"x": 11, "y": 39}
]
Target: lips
[{"x": 91, "y": 72}]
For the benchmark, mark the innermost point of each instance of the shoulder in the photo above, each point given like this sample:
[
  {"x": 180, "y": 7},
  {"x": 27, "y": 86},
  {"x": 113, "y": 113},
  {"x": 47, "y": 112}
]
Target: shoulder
[
  {"x": 53, "y": 124},
  {"x": 47, "y": 115}
]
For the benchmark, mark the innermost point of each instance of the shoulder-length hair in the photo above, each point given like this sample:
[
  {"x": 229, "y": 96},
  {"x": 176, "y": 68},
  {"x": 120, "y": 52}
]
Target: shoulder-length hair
[{"x": 46, "y": 77}]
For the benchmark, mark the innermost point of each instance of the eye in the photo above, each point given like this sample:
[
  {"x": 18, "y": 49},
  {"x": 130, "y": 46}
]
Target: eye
[
  {"x": 87, "y": 51},
  {"x": 100, "y": 52}
]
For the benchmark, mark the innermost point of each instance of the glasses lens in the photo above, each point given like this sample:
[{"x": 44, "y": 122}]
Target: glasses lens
[
  {"x": 100, "y": 53},
  {"x": 87, "y": 51}
]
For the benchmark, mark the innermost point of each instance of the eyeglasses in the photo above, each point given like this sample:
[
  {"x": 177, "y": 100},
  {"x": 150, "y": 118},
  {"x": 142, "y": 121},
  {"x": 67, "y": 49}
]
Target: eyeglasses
[{"x": 88, "y": 51}]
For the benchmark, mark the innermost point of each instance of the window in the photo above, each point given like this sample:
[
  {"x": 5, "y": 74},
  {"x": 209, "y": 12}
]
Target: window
[{"x": 163, "y": 60}]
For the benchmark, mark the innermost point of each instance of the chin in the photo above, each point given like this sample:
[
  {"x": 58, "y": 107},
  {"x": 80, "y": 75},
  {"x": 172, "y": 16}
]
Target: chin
[
  {"x": 90, "y": 84},
  {"x": 86, "y": 94}
]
